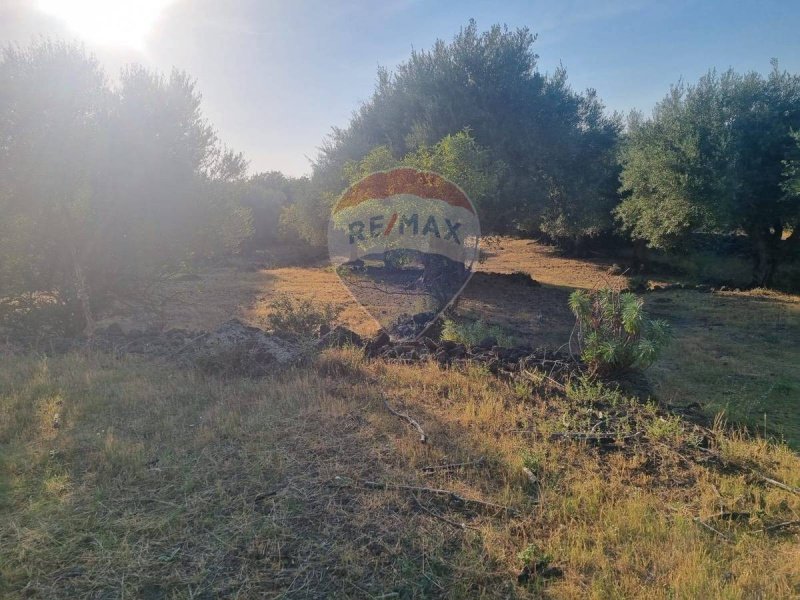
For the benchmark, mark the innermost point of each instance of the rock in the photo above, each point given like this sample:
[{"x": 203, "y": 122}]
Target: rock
[
  {"x": 238, "y": 349},
  {"x": 410, "y": 326},
  {"x": 430, "y": 344},
  {"x": 487, "y": 343},
  {"x": 340, "y": 336},
  {"x": 376, "y": 344}
]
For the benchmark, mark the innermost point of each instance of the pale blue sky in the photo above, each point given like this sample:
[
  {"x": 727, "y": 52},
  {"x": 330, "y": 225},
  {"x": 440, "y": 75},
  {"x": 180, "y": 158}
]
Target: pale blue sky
[{"x": 276, "y": 75}]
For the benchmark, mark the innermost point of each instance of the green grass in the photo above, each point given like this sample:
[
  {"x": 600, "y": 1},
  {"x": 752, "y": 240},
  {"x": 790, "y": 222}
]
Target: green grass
[
  {"x": 473, "y": 332},
  {"x": 736, "y": 353}
]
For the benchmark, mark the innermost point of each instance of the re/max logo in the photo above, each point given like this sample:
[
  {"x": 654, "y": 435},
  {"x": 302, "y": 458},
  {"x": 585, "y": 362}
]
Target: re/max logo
[{"x": 406, "y": 225}]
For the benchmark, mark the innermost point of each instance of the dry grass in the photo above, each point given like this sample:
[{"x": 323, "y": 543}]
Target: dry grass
[
  {"x": 127, "y": 478},
  {"x": 160, "y": 483},
  {"x": 733, "y": 351}
]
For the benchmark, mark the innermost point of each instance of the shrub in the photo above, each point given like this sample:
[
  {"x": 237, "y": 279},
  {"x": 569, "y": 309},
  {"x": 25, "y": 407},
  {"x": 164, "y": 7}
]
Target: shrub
[
  {"x": 614, "y": 332},
  {"x": 473, "y": 333},
  {"x": 301, "y": 318}
]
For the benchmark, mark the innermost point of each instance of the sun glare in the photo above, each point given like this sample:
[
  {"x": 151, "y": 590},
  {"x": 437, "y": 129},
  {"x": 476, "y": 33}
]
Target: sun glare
[{"x": 108, "y": 22}]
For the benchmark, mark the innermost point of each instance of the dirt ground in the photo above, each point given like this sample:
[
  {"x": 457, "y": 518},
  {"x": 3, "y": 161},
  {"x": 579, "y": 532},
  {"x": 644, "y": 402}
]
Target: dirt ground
[{"x": 537, "y": 313}]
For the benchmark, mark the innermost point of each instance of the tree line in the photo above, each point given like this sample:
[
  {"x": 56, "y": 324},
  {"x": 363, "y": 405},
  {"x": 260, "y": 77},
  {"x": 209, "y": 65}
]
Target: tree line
[
  {"x": 719, "y": 156},
  {"x": 109, "y": 188}
]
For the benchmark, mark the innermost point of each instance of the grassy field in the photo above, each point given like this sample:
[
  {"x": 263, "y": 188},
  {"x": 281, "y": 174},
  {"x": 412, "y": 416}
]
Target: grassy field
[
  {"x": 735, "y": 352},
  {"x": 123, "y": 477}
]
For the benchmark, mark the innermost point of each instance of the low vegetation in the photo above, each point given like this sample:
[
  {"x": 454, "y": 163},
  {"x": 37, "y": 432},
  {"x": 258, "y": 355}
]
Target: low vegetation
[
  {"x": 614, "y": 334},
  {"x": 474, "y": 333},
  {"x": 301, "y": 318},
  {"x": 125, "y": 477}
]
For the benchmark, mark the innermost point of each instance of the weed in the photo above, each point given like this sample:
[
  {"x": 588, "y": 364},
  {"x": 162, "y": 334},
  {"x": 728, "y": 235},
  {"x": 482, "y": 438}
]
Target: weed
[
  {"x": 587, "y": 390},
  {"x": 300, "y": 318},
  {"x": 473, "y": 333},
  {"x": 665, "y": 428}
]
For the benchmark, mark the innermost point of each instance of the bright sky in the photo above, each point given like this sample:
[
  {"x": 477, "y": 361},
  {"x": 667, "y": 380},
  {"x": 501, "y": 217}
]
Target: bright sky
[{"x": 276, "y": 75}]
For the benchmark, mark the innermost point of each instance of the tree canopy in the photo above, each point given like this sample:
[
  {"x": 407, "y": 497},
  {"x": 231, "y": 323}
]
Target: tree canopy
[
  {"x": 714, "y": 157},
  {"x": 557, "y": 145},
  {"x": 104, "y": 189}
]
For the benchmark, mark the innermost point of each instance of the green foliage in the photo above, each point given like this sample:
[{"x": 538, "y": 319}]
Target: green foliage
[
  {"x": 456, "y": 157},
  {"x": 791, "y": 184},
  {"x": 614, "y": 333},
  {"x": 106, "y": 190},
  {"x": 665, "y": 428},
  {"x": 587, "y": 390},
  {"x": 716, "y": 156},
  {"x": 549, "y": 150},
  {"x": 301, "y": 318},
  {"x": 532, "y": 554},
  {"x": 472, "y": 333},
  {"x": 267, "y": 195}
]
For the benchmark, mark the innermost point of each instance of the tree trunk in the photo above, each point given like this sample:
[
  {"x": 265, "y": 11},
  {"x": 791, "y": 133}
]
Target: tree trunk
[
  {"x": 640, "y": 258},
  {"x": 766, "y": 250},
  {"x": 792, "y": 244},
  {"x": 82, "y": 292}
]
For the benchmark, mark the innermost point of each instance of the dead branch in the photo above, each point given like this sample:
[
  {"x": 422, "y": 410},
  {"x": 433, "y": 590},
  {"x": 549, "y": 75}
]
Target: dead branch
[
  {"x": 783, "y": 525},
  {"x": 453, "y": 466},
  {"x": 441, "y": 517},
  {"x": 776, "y": 483},
  {"x": 588, "y": 436},
  {"x": 450, "y": 495},
  {"x": 702, "y": 523},
  {"x": 758, "y": 475},
  {"x": 406, "y": 417}
]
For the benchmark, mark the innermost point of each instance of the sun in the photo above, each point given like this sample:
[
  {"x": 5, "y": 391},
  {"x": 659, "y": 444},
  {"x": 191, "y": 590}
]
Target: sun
[{"x": 124, "y": 23}]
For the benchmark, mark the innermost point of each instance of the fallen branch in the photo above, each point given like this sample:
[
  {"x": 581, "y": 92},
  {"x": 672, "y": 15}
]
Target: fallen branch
[
  {"x": 780, "y": 526},
  {"x": 588, "y": 436},
  {"x": 187, "y": 345},
  {"x": 453, "y": 466},
  {"x": 776, "y": 483},
  {"x": 450, "y": 495},
  {"x": 699, "y": 521},
  {"x": 441, "y": 517},
  {"x": 406, "y": 417},
  {"x": 745, "y": 469}
]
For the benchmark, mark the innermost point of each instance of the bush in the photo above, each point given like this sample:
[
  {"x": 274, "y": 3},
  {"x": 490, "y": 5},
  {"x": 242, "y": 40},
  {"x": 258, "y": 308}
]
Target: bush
[
  {"x": 614, "y": 332},
  {"x": 473, "y": 333},
  {"x": 301, "y": 318}
]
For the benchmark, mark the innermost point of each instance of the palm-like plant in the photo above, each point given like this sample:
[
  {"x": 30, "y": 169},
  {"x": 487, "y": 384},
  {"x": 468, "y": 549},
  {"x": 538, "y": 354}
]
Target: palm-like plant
[{"x": 613, "y": 331}]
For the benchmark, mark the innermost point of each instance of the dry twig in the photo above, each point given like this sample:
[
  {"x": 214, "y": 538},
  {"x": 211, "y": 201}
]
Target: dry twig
[
  {"x": 783, "y": 525},
  {"x": 452, "y": 466},
  {"x": 588, "y": 436},
  {"x": 441, "y": 517},
  {"x": 452, "y": 496},
  {"x": 411, "y": 421}
]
